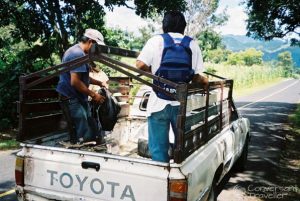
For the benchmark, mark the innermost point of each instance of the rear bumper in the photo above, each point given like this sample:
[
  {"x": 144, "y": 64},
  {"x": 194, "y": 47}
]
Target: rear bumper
[{"x": 33, "y": 194}]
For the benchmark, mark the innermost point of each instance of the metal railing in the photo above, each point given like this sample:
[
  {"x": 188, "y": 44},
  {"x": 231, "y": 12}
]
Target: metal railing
[{"x": 184, "y": 146}]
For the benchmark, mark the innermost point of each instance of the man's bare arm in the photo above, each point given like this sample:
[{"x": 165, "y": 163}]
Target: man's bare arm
[
  {"x": 96, "y": 82},
  {"x": 200, "y": 79},
  {"x": 141, "y": 65},
  {"x": 82, "y": 88}
]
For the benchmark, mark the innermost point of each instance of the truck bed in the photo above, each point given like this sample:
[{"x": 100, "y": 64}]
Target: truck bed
[{"x": 122, "y": 141}]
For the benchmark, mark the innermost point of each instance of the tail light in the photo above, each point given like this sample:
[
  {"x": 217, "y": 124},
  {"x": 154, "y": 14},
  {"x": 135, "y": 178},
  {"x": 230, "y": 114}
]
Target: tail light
[
  {"x": 178, "y": 190},
  {"x": 19, "y": 171}
]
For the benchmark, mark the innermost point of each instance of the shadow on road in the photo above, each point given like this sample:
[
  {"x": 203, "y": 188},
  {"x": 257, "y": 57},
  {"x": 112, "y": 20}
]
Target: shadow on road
[
  {"x": 7, "y": 180},
  {"x": 7, "y": 185},
  {"x": 262, "y": 178},
  {"x": 11, "y": 197}
]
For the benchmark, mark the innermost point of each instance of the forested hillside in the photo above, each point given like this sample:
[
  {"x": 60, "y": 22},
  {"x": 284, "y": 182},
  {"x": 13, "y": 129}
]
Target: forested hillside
[{"x": 271, "y": 49}]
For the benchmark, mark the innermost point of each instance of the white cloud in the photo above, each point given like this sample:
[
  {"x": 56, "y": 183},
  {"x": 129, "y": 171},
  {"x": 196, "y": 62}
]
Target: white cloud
[
  {"x": 236, "y": 22},
  {"x": 125, "y": 19}
]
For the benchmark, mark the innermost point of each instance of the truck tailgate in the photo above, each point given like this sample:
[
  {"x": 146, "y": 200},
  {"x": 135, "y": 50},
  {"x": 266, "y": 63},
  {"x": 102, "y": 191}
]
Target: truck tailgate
[{"x": 78, "y": 175}]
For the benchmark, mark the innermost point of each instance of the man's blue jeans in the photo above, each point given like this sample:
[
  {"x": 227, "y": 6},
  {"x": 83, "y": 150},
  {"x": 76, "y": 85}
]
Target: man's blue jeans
[
  {"x": 158, "y": 129},
  {"x": 85, "y": 125}
]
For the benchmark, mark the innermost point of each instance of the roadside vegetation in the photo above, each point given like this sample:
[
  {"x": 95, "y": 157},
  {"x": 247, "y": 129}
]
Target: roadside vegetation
[
  {"x": 294, "y": 139},
  {"x": 7, "y": 140},
  {"x": 248, "y": 79},
  {"x": 289, "y": 170},
  {"x": 9, "y": 144},
  {"x": 295, "y": 118}
]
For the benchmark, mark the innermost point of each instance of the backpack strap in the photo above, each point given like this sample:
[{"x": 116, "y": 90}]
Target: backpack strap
[
  {"x": 168, "y": 40},
  {"x": 185, "y": 42}
]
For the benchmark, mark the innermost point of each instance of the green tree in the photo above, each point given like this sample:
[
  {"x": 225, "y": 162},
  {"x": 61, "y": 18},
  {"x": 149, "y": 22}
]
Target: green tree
[
  {"x": 52, "y": 23},
  {"x": 273, "y": 18},
  {"x": 14, "y": 56},
  {"x": 218, "y": 55},
  {"x": 118, "y": 38},
  {"x": 209, "y": 40},
  {"x": 128, "y": 40},
  {"x": 34, "y": 34},
  {"x": 55, "y": 22},
  {"x": 285, "y": 61},
  {"x": 235, "y": 58},
  {"x": 146, "y": 33},
  {"x": 252, "y": 56},
  {"x": 247, "y": 57}
]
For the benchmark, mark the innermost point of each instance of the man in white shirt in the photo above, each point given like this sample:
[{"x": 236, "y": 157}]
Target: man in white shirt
[
  {"x": 162, "y": 112},
  {"x": 98, "y": 74}
]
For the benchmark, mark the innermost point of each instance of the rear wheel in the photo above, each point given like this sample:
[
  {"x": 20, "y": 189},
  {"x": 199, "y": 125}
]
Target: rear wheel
[
  {"x": 213, "y": 192},
  {"x": 240, "y": 164}
]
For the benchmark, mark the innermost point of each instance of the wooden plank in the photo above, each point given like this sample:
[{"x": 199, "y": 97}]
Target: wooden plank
[
  {"x": 196, "y": 138},
  {"x": 55, "y": 70},
  {"x": 200, "y": 129},
  {"x": 98, "y": 49},
  {"x": 119, "y": 80},
  {"x": 44, "y": 119},
  {"x": 194, "y": 119},
  {"x": 51, "y": 83},
  {"x": 33, "y": 94},
  {"x": 197, "y": 131},
  {"x": 124, "y": 90},
  {"x": 199, "y": 116},
  {"x": 40, "y": 107},
  {"x": 37, "y": 126}
]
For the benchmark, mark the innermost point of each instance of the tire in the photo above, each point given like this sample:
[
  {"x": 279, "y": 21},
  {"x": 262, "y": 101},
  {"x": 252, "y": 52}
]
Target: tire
[
  {"x": 213, "y": 192},
  {"x": 240, "y": 164}
]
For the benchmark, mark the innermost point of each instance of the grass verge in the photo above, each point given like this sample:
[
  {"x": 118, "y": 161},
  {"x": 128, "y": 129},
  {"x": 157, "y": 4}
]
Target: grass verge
[
  {"x": 289, "y": 172},
  {"x": 8, "y": 144},
  {"x": 238, "y": 92},
  {"x": 7, "y": 140}
]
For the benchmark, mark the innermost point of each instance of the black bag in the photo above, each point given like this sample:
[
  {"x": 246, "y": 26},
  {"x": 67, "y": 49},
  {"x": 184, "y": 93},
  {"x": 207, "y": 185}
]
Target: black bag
[{"x": 108, "y": 111}]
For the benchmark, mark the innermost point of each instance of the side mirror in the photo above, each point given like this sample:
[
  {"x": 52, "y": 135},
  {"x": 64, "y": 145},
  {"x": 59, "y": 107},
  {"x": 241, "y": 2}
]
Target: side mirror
[
  {"x": 144, "y": 101},
  {"x": 234, "y": 126}
]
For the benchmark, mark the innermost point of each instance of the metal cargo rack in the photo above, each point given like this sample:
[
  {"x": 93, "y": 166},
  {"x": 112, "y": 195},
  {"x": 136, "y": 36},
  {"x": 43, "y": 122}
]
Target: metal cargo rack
[{"x": 39, "y": 110}]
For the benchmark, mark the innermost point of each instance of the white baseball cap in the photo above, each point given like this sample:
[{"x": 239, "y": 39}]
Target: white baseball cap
[{"x": 94, "y": 35}]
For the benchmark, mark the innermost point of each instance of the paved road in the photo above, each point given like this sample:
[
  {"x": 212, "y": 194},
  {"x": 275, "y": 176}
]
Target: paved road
[
  {"x": 267, "y": 111},
  {"x": 7, "y": 174}
]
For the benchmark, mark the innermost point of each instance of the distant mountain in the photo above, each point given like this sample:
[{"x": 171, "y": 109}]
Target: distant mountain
[{"x": 270, "y": 48}]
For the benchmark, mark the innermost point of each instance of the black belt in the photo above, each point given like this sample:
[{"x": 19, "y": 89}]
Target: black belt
[{"x": 63, "y": 98}]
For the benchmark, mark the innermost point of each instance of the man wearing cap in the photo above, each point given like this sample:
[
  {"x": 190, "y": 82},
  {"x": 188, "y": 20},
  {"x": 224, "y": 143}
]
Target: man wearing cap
[{"x": 73, "y": 90}]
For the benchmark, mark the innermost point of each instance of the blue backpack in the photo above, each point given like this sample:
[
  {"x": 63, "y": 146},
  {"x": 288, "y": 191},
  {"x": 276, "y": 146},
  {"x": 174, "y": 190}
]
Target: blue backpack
[{"x": 175, "y": 65}]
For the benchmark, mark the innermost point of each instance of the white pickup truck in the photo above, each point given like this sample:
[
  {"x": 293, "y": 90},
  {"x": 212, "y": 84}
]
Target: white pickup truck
[{"x": 213, "y": 138}]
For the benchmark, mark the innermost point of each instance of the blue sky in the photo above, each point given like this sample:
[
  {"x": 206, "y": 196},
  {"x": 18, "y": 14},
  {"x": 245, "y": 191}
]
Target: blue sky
[{"x": 126, "y": 19}]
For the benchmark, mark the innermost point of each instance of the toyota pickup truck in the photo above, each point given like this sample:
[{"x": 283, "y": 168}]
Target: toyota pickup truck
[{"x": 212, "y": 139}]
